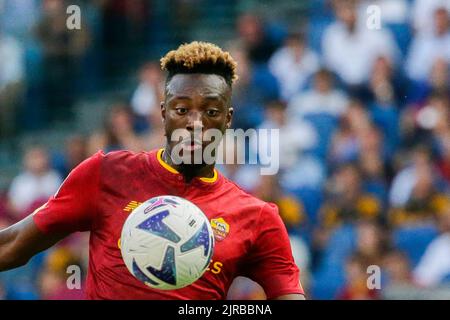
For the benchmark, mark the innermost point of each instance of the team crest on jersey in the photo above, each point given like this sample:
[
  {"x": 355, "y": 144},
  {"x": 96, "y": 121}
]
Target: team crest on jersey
[{"x": 220, "y": 228}]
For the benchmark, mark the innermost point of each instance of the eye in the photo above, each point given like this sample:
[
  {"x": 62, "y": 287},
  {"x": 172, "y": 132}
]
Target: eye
[
  {"x": 212, "y": 112},
  {"x": 181, "y": 110}
]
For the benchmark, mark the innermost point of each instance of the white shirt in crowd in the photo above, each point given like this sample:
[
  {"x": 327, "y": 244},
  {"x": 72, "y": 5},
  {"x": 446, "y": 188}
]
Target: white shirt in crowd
[
  {"x": 11, "y": 61},
  {"x": 424, "y": 51},
  {"x": 402, "y": 186},
  {"x": 392, "y": 11},
  {"x": 352, "y": 55},
  {"x": 422, "y": 14},
  {"x": 292, "y": 74},
  {"x": 312, "y": 101},
  {"x": 294, "y": 137},
  {"x": 434, "y": 265},
  {"x": 144, "y": 100},
  {"x": 27, "y": 188}
]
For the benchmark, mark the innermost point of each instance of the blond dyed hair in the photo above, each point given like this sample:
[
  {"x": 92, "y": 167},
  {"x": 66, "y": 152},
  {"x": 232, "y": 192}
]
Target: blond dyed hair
[{"x": 200, "y": 57}]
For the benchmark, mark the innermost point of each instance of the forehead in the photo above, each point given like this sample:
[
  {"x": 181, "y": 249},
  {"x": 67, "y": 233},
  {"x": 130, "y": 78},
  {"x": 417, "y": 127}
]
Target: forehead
[{"x": 197, "y": 84}]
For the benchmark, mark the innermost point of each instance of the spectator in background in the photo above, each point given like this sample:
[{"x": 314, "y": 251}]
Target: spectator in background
[
  {"x": 427, "y": 48},
  {"x": 246, "y": 175},
  {"x": 12, "y": 74},
  {"x": 118, "y": 133},
  {"x": 383, "y": 89},
  {"x": 439, "y": 79},
  {"x": 444, "y": 160},
  {"x": 147, "y": 97},
  {"x": 398, "y": 273},
  {"x": 356, "y": 280},
  {"x": 420, "y": 166},
  {"x": 370, "y": 244},
  {"x": 371, "y": 241},
  {"x": 75, "y": 153},
  {"x": 439, "y": 109},
  {"x": 52, "y": 280},
  {"x": 254, "y": 38},
  {"x": 346, "y": 142},
  {"x": 126, "y": 25},
  {"x": 438, "y": 114},
  {"x": 154, "y": 137},
  {"x": 255, "y": 87},
  {"x": 350, "y": 48},
  {"x": 346, "y": 203},
  {"x": 371, "y": 144},
  {"x": 295, "y": 135},
  {"x": 292, "y": 65},
  {"x": 290, "y": 209},
  {"x": 346, "y": 200},
  {"x": 393, "y": 11},
  {"x": 425, "y": 198},
  {"x": 18, "y": 17},
  {"x": 63, "y": 50},
  {"x": 323, "y": 97},
  {"x": 383, "y": 106},
  {"x": 418, "y": 122},
  {"x": 422, "y": 14},
  {"x": 32, "y": 187},
  {"x": 434, "y": 267},
  {"x": 374, "y": 175}
]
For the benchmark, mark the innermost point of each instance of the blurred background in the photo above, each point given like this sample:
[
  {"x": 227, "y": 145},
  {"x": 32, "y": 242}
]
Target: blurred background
[{"x": 363, "y": 115}]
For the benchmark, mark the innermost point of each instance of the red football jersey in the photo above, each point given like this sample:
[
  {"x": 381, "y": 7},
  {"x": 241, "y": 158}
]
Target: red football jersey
[{"x": 98, "y": 196}]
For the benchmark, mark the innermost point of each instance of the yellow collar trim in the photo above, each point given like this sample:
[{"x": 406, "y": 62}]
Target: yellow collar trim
[
  {"x": 173, "y": 170},
  {"x": 209, "y": 180},
  {"x": 165, "y": 165}
]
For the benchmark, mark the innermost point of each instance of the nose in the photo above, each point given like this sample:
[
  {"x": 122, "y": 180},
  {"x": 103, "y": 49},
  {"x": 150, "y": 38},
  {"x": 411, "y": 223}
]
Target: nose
[{"x": 194, "y": 121}]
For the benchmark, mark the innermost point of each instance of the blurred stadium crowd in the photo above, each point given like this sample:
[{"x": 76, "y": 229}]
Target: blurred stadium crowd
[{"x": 364, "y": 119}]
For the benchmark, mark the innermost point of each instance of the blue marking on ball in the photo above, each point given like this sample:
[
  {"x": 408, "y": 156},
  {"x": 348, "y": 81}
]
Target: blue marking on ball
[
  {"x": 168, "y": 271},
  {"x": 156, "y": 226}
]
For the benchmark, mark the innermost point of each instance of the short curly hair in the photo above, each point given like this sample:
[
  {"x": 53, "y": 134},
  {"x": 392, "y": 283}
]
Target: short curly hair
[{"x": 200, "y": 57}]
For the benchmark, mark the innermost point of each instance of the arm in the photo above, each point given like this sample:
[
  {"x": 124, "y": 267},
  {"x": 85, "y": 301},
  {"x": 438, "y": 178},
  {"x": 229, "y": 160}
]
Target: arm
[
  {"x": 270, "y": 262},
  {"x": 22, "y": 241},
  {"x": 294, "y": 296},
  {"x": 71, "y": 209}
]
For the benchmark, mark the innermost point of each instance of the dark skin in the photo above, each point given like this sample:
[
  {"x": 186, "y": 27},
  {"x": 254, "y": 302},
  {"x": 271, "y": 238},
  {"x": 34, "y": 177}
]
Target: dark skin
[
  {"x": 189, "y": 98},
  {"x": 204, "y": 99}
]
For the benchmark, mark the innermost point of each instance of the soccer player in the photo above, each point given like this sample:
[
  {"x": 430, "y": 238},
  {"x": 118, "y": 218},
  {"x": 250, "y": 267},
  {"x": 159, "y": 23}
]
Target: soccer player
[{"x": 251, "y": 239}]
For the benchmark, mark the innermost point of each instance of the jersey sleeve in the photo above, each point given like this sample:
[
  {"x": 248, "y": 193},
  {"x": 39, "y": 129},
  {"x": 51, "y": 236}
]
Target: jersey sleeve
[
  {"x": 73, "y": 207},
  {"x": 270, "y": 262}
]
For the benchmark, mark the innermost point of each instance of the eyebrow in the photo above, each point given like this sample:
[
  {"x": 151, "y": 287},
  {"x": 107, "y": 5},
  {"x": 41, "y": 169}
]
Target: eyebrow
[
  {"x": 214, "y": 97},
  {"x": 180, "y": 97}
]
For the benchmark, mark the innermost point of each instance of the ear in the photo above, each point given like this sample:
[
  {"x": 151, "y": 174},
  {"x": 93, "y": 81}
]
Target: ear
[
  {"x": 229, "y": 117},
  {"x": 163, "y": 112}
]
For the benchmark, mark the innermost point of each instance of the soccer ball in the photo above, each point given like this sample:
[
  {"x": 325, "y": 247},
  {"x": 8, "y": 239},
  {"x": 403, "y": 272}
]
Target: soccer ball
[{"x": 167, "y": 242}]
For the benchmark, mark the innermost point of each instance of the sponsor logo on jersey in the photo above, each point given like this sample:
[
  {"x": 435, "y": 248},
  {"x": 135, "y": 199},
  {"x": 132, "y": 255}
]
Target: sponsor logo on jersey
[{"x": 220, "y": 228}]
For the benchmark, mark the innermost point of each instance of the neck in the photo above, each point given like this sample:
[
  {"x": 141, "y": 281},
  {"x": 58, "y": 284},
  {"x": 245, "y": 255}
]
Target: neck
[
  {"x": 189, "y": 171},
  {"x": 351, "y": 27}
]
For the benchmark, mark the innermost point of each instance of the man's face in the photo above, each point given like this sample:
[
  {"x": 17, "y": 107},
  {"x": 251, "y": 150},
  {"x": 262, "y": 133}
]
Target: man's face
[
  {"x": 346, "y": 12},
  {"x": 195, "y": 103},
  {"x": 441, "y": 21}
]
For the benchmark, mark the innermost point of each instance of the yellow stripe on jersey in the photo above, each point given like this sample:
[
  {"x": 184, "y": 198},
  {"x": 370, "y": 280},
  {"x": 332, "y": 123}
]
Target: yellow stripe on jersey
[{"x": 173, "y": 170}]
